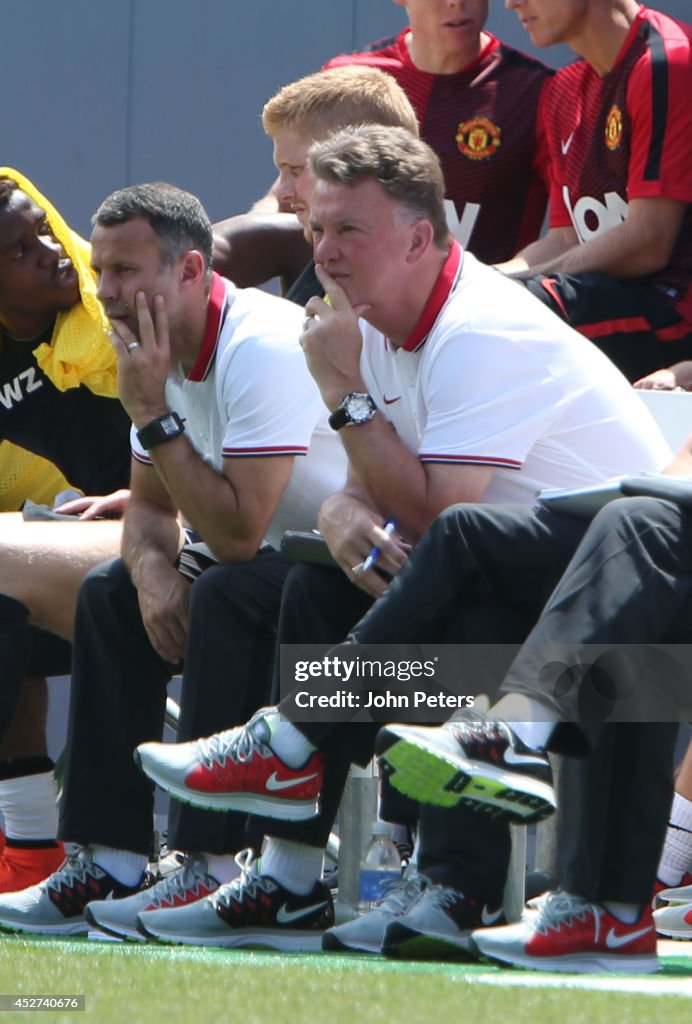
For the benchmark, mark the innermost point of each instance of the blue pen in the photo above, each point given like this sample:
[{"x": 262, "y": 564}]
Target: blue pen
[{"x": 389, "y": 528}]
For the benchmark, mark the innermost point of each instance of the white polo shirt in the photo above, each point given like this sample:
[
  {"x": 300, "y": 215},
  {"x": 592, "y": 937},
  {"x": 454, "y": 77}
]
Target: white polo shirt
[
  {"x": 490, "y": 376},
  {"x": 250, "y": 395}
]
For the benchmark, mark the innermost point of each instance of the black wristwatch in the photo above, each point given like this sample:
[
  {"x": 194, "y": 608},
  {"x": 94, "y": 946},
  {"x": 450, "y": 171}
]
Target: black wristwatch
[
  {"x": 354, "y": 409},
  {"x": 163, "y": 428}
]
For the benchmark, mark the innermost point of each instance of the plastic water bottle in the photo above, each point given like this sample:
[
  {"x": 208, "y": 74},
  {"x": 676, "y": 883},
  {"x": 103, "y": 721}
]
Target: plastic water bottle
[{"x": 380, "y": 863}]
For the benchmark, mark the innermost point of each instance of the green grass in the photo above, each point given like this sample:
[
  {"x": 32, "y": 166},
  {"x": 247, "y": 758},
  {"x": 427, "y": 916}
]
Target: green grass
[{"x": 131, "y": 983}]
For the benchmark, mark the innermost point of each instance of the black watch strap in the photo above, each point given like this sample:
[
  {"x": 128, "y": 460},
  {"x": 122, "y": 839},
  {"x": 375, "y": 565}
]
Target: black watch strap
[
  {"x": 338, "y": 419},
  {"x": 163, "y": 428},
  {"x": 355, "y": 408}
]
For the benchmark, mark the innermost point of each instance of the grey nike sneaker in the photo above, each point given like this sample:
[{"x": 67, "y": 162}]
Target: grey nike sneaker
[
  {"x": 191, "y": 882},
  {"x": 365, "y": 934},
  {"x": 56, "y": 906},
  {"x": 438, "y": 926},
  {"x": 252, "y": 910}
]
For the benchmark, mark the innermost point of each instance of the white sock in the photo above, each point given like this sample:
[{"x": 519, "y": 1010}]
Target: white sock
[
  {"x": 29, "y": 806},
  {"x": 293, "y": 865},
  {"x": 222, "y": 866},
  {"x": 628, "y": 913},
  {"x": 530, "y": 720},
  {"x": 124, "y": 866},
  {"x": 288, "y": 742},
  {"x": 677, "y": 850},
  {"x": 534, "y": 734}
]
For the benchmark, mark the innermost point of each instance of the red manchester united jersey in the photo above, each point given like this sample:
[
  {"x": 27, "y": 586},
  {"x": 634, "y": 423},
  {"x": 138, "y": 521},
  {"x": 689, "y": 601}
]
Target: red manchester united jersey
[
  {"x": 483, "y": 123},
  {"x": 627, "y": 135}
]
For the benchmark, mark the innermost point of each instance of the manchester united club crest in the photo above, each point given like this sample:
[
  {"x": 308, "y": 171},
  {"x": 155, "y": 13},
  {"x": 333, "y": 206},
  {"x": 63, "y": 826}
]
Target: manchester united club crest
[
  {"x": 479, "y": 138},
  {"x": 613, "y": 128}
]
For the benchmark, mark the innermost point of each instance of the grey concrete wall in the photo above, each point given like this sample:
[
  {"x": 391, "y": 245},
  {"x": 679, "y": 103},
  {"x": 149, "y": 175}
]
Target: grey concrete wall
[{"x": 97, "y": 94}]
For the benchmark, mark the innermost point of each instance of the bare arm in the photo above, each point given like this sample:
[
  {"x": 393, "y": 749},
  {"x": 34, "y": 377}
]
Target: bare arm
[
  {"x": 253, "y": 248},
  {"x": 545, "y": 250},
  {"x": 639, "y": 245},
  {"x": 151, "y": 540},
  {"x": 673, "y": 378},
  {"x": 402, "y": 485},
  {"x": 397, "y": 482},
  {"x": 231, "y": 509}
]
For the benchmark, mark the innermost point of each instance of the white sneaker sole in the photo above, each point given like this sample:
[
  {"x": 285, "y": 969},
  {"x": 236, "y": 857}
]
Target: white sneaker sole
[
  {"x": 249, "y": 803},
  {"x": 262, "y": 938},
  {"x": 65, "y": 928},
  {"x": 577, "y": 963}
]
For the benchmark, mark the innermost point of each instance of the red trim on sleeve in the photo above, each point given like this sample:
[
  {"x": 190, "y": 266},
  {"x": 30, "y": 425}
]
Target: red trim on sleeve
[
  {"x": 264, "y": 450},
  {"x": 472, "y": 460}
]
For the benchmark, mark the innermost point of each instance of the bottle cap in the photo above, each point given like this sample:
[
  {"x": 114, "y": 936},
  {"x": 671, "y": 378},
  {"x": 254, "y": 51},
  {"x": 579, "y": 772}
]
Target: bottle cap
[{"x": 382, "y": 828}]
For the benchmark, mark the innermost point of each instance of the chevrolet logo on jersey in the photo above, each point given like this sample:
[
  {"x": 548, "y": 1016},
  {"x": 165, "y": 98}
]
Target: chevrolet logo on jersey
[{"x": 479, "y": 138}]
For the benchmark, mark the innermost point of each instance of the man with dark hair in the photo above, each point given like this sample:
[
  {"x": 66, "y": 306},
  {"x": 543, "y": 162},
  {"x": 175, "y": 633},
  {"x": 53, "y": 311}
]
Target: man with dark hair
[
  {"x": 226, "y": 437},
  {"x": 60, "y": 423}
]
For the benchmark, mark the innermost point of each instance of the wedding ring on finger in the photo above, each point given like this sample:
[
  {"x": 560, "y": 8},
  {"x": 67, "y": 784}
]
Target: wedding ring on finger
[
  {"x": 133, "y": 345},
  {"x": 357, "y": 569},
  {"x": 310, "y": 318}
]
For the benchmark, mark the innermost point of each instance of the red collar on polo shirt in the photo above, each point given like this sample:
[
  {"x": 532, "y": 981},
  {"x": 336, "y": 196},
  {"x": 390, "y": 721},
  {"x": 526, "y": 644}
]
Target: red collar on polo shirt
[
  {"x": 442, "y": 288},
  {"x": 216, "y": 314}
]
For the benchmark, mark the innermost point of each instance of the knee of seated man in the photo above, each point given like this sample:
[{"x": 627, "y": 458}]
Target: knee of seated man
[{"x": 639, "y": 512}]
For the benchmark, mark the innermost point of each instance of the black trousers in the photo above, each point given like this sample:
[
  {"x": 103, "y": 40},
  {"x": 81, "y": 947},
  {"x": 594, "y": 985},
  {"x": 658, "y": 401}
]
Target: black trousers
[
  {"x": 629, "y": 321},
  {"x": 629, "y": 583},
  {"x": 118, "y": 698},
  {"x": 466, "y": 582},
  {"x": 614, "y": 809},
  {"x": 25, "y": 651}
]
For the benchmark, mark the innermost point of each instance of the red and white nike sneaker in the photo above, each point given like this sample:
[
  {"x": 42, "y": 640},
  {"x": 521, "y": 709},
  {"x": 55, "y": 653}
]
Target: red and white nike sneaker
[
  {"x": 569, "y": 934},
  {"x": 674, "y": 921},
  {"x": 236, "y": 770}
]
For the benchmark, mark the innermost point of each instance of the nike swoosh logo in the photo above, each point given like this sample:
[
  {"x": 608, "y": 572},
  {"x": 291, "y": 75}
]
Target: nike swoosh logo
[
  {"x": 512, "y": 758},
  {"x": 275, "y": 784},
  {"x": 564, "y": 146},
  {"x": 614, "y": 941},
  {"x": 391, "y": 401},
  {"x": 284, "y": 916},
  {"x": 490, "y": 917}
]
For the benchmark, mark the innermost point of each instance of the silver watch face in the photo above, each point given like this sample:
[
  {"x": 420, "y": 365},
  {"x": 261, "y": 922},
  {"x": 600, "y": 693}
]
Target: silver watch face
[{"x": 359, "y": 409}]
